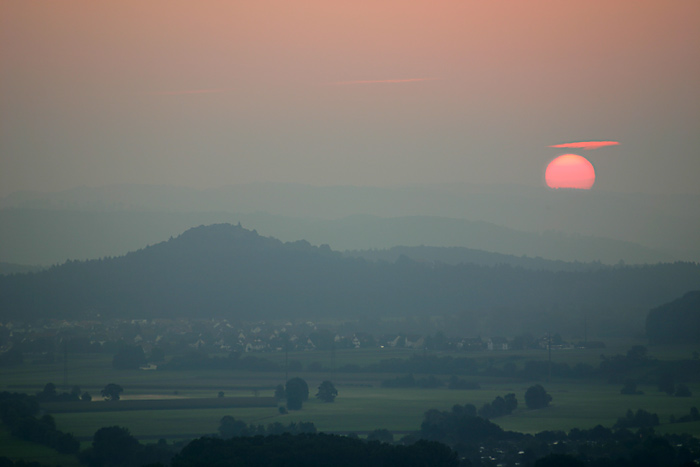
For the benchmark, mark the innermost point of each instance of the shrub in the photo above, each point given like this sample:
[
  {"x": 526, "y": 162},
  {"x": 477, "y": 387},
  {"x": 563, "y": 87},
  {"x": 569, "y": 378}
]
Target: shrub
[{"x": 536, "y": 397}]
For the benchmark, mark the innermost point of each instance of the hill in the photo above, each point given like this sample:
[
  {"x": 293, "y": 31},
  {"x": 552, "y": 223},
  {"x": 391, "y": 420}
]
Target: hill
[
  {"x": 669, "y": 223},
  {"x": 228, "y": 271},
  {"x": 12, "y": 268},
  {"x": 677, "y": 321},
  {"x": 51, "y": 236},
  {"x": 458, "y": 255}
]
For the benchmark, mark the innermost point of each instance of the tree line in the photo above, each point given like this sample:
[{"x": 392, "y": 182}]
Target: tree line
[{"x": 228, "y": 271}]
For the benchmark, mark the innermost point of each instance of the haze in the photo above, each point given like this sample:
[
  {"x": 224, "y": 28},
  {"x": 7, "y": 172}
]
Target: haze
[
  {"x": 471, "y": 225},
  {"x": 360, "y": 93}
]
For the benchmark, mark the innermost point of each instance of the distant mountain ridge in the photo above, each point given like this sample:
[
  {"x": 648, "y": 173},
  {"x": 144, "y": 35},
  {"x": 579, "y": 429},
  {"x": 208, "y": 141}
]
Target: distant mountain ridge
[
  {"x": 40, "y": 236},
  {"x": 668, "y": 223},
  {"x": 227, "y": 271},
  {"x": 11, "y": 268},
  {"x": 458, "y": 255}
]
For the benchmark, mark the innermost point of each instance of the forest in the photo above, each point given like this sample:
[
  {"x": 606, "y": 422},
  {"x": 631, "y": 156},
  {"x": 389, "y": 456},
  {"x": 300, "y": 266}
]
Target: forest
[{"x": 227, "y": 271}]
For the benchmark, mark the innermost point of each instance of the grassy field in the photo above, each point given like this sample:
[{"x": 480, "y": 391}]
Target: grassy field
[
  {"x": 362, "y": 404},
  {"x": 16, "y": 449},
  {"x": 364, "y": 409}
]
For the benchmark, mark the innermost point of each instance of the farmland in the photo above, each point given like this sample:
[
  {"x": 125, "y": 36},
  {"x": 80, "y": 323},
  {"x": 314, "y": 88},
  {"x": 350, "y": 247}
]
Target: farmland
[{"x": 184, "y": 404}]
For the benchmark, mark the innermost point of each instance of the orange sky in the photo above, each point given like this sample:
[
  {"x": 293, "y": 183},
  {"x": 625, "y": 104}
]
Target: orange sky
[{"x": 209, "y": 93}]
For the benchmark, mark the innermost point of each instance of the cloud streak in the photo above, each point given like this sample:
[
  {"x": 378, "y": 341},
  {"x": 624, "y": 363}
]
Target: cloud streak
[
  {"x": 188, "y": 91},
  {"x": 586, "y": 145},
  {"x": 383, "y": 81}
]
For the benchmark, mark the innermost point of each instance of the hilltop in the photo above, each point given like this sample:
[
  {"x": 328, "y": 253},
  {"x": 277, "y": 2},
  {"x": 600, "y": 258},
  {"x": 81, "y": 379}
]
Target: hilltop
[
  {"x": 88, "y": 223},
  {"x": 226, "y": 270}
]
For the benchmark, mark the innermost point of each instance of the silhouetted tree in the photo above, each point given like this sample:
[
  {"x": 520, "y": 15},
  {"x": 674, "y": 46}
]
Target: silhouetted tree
[
  {"x": 559, "y": 460},
  {"x": 311, "y": 450},
  {"x": 297, "y": 392},
  {"x": 499, "y": 407},
  {"x": 327, "y": 392},
  {"x": 15, "y": 406},
  {"x": 112, "y": 392},
  {"x": 639, "y": 419},
  {"x": 683, "y": 391},
  {"x": 637, "y": 353},
  {"x": 630, "y": 389},
  {"x": 113, "y": 445},
  {"x": 230, "y": 427},
  {"x": 382, "y": 435},
  {"x": 536, "y": 397},
  {"x": 48, "y": 394}
]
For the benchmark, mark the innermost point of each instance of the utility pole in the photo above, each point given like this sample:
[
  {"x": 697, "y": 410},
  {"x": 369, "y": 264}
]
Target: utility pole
[
  {"x": 549, "y": 351},
  {"x": 333, "y": 360},
  {"x": 65, "y": 362}
]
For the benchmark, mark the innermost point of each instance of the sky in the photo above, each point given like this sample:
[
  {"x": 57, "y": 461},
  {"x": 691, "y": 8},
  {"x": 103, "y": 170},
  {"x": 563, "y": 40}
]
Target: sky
[{"x": 347, "y": 92}]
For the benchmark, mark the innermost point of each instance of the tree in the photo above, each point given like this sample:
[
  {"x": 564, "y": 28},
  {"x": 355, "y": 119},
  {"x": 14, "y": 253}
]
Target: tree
[
  {"x": 230, "y": 427},
  {"x": 637, "y": 353},
  {"x": 66, "y": 443},
  {"x": 640, "y": 419},
  {"x": 499, "y": 407},
  {"x": 511, "y": 402},
  {"x": 327, "y": 392},
  {"x": 382, "y": 435},
  {"x": 630, "y": 389},
  {"x": 111, "y": 392},
  {"x": 536, "y": 397},
  {"x": 49, "y": 393},
  {"x": 297, "y": 392},
  {"x": 558, "y": 460},
  {"x": 114, "y": 445},
  {"x": 694, "y": 414},
  {"x": 683, "y": 391}
]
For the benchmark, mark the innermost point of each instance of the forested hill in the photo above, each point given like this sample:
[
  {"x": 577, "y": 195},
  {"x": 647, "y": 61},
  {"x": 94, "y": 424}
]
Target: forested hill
[
  {"x": 678, "y": 321},
  {"x": 226, "y": 270},
  {"x": 457, "y": 255}
]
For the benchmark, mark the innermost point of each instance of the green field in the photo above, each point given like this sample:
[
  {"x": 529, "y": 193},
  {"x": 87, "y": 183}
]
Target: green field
[
  {"x": 364, "y": 409},
  {"x": 362, "y": 404},
  {"x": 16, "y": 449}
]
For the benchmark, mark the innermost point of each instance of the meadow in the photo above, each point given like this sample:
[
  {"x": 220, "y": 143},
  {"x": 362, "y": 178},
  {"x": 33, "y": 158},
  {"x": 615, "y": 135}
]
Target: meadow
[{"x": 181, "y": 410}]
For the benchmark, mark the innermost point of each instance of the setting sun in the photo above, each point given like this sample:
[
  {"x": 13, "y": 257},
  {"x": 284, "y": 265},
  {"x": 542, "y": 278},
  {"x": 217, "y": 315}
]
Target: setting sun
[{"x": 570, "y": 171}]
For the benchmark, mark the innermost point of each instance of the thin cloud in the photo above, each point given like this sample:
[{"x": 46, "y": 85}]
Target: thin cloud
[
  {"x": 188, "y": 91},
  {"x": 586, "y": 145},
  {"x": 383, "y": 81}
]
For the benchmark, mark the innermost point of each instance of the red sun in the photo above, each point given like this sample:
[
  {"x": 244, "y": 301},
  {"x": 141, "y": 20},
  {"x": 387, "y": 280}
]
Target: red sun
[{"x": 570, "y": 171}]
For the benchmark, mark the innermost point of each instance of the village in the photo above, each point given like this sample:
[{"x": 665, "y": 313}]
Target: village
[{"x": 43, "y": 341}]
